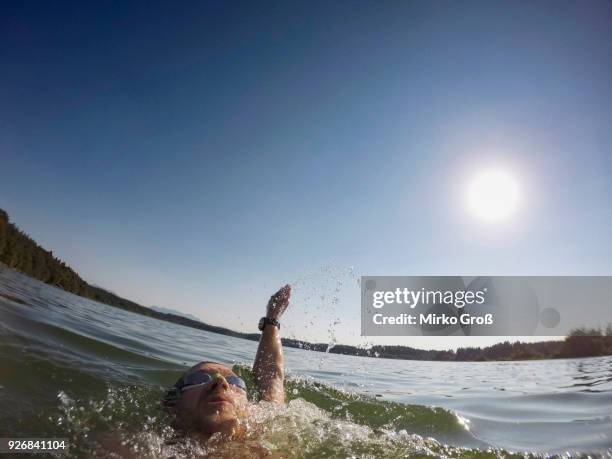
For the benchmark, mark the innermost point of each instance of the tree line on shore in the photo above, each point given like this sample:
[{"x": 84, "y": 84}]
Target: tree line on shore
[
  {"x": 20, "y": 252},
  {"x": 581, "y": 342}
]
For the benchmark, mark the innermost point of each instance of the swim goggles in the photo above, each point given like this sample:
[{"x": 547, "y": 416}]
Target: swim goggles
[{"x": 199, "y": 378}]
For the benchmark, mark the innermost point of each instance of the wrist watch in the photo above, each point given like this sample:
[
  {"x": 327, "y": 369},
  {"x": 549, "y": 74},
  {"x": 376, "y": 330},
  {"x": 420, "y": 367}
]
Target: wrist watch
[{"x": 267, "y": 321}]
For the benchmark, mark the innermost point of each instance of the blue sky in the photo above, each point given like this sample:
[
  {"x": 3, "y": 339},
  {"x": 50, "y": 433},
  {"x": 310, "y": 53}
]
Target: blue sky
[{"x": 198, "y": 156}]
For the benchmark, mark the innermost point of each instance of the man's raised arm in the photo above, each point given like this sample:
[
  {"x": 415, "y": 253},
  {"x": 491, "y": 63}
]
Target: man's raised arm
[{"x": 268, "y": 367}]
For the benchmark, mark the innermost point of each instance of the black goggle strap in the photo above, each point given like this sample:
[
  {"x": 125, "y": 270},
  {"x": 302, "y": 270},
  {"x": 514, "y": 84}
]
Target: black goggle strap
[
  {"x": 172, "y": 394},
  {"x": 170, "y": 397}
]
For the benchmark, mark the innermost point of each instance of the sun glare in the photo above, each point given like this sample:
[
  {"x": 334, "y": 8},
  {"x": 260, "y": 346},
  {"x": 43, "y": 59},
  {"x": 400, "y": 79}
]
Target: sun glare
[{"x": 493, "y": 195}]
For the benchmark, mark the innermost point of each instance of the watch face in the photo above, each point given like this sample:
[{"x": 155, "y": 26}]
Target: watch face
[{"x": 262, "y": 323}]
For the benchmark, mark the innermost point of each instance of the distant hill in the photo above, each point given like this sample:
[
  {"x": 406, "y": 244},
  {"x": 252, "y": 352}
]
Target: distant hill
[
  {"x": 20, "y": 252},
  {"x": 175, "y": 312}
]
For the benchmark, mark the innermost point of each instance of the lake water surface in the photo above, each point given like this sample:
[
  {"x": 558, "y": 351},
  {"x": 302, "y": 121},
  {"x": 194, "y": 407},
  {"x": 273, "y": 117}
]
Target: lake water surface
[{"x": 74, "y": 368}]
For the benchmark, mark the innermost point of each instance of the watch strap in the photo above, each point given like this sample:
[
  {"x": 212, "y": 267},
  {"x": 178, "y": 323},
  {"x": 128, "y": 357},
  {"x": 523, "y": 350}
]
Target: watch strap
[{"x": 267, "y": 321}]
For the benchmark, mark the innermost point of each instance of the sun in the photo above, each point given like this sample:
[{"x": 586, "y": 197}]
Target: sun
[{"x": 493, "y": 195}]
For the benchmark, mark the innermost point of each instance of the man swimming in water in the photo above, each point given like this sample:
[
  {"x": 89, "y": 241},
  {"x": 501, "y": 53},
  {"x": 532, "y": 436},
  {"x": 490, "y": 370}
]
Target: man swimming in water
[{"x": 209, "y": 397}]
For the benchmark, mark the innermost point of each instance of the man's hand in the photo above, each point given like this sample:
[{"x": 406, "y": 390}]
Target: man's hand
[{"x": 278, "y": 303}]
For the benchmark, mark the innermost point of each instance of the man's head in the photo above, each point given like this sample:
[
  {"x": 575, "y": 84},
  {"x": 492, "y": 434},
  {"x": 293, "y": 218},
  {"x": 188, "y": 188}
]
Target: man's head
[{"x": 209, "y": 398}]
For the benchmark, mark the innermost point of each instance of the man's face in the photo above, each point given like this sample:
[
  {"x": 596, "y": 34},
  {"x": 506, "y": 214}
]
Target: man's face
[{"x": 214, "y": 406}]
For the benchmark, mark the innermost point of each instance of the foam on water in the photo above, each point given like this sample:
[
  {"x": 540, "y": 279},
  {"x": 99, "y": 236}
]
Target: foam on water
[{"x": 129, "y": 419}]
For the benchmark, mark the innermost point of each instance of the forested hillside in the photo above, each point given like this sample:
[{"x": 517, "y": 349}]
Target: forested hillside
[{"x": 21, "y": 253}]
